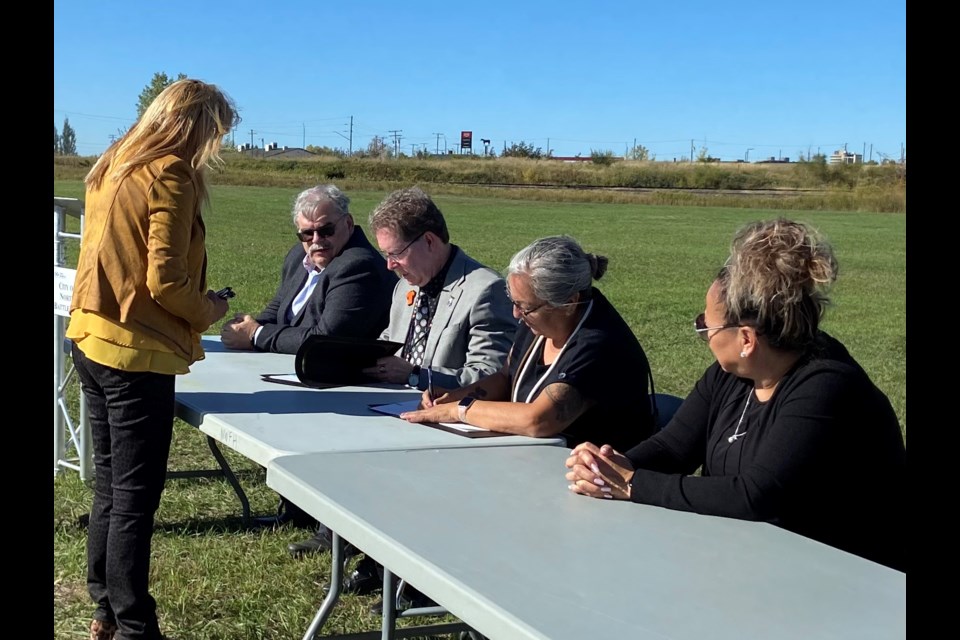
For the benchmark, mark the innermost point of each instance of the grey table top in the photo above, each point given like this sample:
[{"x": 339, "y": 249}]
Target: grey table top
[
  {"x": 225, "y": 396},
  {"x": 511, "y": 552}
]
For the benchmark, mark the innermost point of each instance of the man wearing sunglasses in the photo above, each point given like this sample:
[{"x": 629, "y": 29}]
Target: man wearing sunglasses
[{"x": 333, "y": 282}]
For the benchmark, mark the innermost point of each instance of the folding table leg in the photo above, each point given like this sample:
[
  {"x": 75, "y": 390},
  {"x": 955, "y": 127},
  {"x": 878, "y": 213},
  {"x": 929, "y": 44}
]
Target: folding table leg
[
  {"x": 232, "y": 479},
  {"x": 336, "y": 586}
]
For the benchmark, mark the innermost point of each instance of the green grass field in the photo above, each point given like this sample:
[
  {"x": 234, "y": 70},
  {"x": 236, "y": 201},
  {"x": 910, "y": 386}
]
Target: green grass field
[{"x": 216, "y": 581}]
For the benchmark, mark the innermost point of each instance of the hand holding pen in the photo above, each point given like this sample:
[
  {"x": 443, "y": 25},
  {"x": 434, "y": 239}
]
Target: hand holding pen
[{"x": 433, "y": 396}]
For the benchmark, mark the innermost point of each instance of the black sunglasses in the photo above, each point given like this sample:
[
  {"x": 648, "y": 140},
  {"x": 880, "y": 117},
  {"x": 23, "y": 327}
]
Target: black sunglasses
[
  {"x": 700, "y": 326},
  {"x": 327, "y": 230}
]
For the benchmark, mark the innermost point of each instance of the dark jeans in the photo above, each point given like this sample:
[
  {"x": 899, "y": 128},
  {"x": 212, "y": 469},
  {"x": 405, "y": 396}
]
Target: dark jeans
[{"x": 131, "y": 420}]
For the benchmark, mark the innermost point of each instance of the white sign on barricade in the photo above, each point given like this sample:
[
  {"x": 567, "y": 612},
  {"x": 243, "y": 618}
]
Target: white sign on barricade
[{"x": 63, "y": 279}]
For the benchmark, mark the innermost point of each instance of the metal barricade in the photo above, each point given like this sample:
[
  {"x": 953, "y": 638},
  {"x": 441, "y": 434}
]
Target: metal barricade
[{"x": 71, "y": 442}]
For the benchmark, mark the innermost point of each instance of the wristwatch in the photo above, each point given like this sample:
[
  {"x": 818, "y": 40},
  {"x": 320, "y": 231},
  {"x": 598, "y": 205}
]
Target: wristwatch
[
  {"x": 462, "y": 407},
  {"x": 414, "y": 379}
]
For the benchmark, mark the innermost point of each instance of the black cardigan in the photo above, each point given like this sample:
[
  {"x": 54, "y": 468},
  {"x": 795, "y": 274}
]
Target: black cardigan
[{"x": 824, "y": 457}]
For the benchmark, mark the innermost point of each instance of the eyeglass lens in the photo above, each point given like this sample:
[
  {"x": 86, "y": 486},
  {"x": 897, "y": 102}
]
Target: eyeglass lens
[
  {"x": 396, "y": 256},
  {"x": 325, "y": 231}
]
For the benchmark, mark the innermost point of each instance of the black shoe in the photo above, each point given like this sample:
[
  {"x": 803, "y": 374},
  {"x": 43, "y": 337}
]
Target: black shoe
[
  {"x": 365, "y": 579},
  {"x": 289, "y": 512},
  {"x": 410, "y": 598},
  {"x": 322, "y": 540}
]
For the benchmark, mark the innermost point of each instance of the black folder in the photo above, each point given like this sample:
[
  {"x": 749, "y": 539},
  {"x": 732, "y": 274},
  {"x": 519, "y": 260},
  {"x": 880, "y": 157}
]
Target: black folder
[{"x": 326, "y": 360}]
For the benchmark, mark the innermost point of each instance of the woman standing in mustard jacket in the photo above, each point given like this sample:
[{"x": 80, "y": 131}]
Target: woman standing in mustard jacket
[{"x": 140, "y": 303}]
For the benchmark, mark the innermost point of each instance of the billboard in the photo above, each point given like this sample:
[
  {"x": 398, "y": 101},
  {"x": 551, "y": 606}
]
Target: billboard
[{"x": 466, "y": 139}]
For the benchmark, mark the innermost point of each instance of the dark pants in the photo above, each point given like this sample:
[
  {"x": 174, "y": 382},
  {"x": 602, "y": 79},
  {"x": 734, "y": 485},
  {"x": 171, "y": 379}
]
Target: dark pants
[{"x": 131, "y": 420}]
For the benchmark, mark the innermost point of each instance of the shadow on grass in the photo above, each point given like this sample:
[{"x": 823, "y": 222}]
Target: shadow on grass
[{"x": 225, "y": 524}]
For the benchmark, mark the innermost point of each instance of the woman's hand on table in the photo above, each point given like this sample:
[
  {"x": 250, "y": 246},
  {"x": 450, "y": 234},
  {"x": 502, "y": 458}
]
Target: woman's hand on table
[
  {"x": 599, "y": 472},
  {"x": 442, "y": 409}
]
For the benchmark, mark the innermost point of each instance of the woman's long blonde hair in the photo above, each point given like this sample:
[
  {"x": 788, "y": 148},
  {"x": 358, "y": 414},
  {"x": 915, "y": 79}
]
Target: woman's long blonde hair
[{"x": 188, "y": 119}]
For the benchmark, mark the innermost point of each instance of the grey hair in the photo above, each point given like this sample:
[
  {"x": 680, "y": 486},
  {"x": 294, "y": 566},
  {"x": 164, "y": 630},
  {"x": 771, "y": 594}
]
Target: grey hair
[
  {"x": 309, "y": 199},
  {"x": 558, "y": 268}
]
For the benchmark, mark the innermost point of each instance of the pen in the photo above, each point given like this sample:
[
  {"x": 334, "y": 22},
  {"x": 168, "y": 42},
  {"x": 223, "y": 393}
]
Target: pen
[{"x": 430, "y": 384}]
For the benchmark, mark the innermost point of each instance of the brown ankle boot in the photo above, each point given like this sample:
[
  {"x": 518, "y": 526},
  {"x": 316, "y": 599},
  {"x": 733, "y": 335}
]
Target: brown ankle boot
[{"x": 102, "y": 630}]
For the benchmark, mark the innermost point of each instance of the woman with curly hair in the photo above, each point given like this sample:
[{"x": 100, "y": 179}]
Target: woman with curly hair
[{"x": 786, "y": 427}]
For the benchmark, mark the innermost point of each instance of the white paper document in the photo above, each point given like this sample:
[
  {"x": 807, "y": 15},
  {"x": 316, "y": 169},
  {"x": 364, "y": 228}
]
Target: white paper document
[
  {"x": 285, "y": 377},
  {"x": 396, "y": 408}
]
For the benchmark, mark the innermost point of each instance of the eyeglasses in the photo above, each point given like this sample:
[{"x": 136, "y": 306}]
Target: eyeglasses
[
  {"x": 700, "y": 326},
  {"x": 327, "y": 230},
  {"x": 525, "y": 312},
  {"x": 399, "y": 254}
]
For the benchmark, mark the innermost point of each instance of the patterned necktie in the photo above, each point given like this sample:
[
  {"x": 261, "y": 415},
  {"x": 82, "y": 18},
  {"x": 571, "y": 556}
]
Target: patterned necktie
[{"x": 418, "y": 334}]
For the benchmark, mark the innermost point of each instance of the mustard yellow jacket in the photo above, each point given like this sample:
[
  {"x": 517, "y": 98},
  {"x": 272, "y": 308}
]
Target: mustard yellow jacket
[{"x": 143, "y": 260}]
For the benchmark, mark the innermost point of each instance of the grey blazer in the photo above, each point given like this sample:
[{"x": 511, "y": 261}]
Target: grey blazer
[
  {"x": 472, "y": 329},
  {"x": 352, "y": 298}
]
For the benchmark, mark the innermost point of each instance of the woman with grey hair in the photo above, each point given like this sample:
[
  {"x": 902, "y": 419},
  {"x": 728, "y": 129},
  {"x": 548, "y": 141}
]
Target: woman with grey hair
[
  {"x": 786, "y": 427},
  {"x": 575, "y": 368}
]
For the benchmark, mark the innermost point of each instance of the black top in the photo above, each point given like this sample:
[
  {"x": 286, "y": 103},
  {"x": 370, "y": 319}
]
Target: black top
[
  {"x": 605, "y": 363},
  {"x": 824, "y": 457}
]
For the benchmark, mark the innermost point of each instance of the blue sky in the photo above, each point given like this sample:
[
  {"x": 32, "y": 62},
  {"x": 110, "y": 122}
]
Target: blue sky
[{"x": 741, "y": 79}]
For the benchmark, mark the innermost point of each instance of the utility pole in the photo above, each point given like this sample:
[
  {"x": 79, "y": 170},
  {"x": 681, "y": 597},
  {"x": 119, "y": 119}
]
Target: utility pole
[
  {"x": 438, "y": 141},
  {"x": 746, "y": 156},
  {"x": 304, "y": 145},
  {"x": 413, "y": 149},
  {"x": 350, "y": 149},
  {"x": 348, "y": 139},
  {"x": 691, "y": 149},
  {"x": 396, "y": 140},
  {"x": 251, "y": 137}
]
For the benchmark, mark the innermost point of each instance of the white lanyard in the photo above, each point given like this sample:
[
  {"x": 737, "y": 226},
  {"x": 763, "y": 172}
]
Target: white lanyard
[{"x": 528, "y": 358}]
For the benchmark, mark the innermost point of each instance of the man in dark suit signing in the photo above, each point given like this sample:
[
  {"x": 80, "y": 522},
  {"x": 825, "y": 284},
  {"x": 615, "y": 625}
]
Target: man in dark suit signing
[{"x": 333, "y": 282}]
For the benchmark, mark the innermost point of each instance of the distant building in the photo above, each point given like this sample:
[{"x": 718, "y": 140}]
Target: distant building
[
  {"x": 272, "y": 151},
  {"x": 841, "y": 156},
  {"x": 774, "y": 160}
]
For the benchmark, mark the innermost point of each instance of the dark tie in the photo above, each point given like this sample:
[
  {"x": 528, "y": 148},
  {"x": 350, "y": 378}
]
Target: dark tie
[{"x": 421, "y": 326}]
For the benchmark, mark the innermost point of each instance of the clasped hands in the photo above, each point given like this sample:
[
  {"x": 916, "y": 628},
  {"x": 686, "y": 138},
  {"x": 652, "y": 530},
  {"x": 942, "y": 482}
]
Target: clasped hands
[
  {"x": 599, "y": 472},
  {"x": 237, "y": 333}
]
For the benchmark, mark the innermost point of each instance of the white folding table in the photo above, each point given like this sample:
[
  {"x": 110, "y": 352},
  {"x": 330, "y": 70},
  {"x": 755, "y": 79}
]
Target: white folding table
[
  {"x": 495, "y": 537},
  {"x": 226, "y": 396}
]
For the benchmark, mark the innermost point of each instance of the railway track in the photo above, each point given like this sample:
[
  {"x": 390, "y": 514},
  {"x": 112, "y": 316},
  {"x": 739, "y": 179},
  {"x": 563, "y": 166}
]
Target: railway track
[{"x": 565, "y": 187}]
